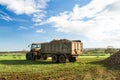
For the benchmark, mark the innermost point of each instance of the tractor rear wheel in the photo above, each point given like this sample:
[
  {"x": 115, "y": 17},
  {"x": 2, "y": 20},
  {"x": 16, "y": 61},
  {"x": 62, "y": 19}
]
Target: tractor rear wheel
[
  {"x": 72, "y": 59},
  {"x": 45, "y": 57},
  {"x": 62, "y": 59}
]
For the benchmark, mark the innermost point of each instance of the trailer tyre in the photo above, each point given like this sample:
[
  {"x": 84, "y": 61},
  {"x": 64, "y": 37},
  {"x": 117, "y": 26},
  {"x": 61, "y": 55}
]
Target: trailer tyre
[
  {"x": 62, "y": 59},
  {"x": 54, "y": 58}
]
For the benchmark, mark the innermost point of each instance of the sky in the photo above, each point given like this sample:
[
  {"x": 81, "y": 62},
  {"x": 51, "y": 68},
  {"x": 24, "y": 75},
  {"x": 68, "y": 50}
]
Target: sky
[{"x": 94, "y": 22}]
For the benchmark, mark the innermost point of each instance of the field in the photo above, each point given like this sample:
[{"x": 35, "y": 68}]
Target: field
[{"x": 15, "y": 67}]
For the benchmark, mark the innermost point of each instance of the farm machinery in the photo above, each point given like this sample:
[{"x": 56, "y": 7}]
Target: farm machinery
[{"x": 59, "y": 50}]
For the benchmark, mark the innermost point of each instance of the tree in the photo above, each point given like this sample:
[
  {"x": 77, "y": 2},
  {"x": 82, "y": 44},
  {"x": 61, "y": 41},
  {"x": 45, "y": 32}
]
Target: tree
[{"x": 110, "y": 50}]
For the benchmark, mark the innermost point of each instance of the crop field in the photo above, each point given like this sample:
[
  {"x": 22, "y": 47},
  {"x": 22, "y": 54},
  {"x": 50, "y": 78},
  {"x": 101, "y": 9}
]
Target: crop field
[{"x": 15, "y": 67}]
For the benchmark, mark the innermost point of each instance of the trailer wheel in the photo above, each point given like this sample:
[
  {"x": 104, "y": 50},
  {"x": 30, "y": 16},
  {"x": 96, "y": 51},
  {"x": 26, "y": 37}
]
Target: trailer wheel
[
  {"x": 72, "y": 59},
  {"x": 54, "y": 58},
  {"x": 62, "y": 59}
]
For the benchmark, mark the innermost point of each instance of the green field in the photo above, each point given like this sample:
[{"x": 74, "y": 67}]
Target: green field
[{"x": 15, "y": 67}]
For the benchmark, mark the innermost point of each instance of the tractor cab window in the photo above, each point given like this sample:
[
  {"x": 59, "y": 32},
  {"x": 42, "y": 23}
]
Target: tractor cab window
[{"x": 35, "y": 46}]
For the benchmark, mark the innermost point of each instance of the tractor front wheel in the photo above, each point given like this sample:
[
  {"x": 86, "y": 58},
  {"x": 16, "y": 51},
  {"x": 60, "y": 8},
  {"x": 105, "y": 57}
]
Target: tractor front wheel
[{"x": 28, "y": 56}]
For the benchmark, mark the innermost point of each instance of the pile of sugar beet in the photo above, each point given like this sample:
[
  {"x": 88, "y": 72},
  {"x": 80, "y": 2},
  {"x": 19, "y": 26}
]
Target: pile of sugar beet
[{"x": 113, "y": 59}]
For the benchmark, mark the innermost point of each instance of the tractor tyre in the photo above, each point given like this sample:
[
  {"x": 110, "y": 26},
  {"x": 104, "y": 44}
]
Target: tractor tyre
[
  {"x": 28, "y": 56},
  {"x": 38, "y": 56},
  {"x": 72, "y": 59},
  {"x": 34, "y": 57},
  {"x": 45, "y": 57}
]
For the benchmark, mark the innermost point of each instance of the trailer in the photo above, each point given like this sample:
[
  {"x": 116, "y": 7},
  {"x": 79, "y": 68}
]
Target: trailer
[{"x": 59, "y": 50}]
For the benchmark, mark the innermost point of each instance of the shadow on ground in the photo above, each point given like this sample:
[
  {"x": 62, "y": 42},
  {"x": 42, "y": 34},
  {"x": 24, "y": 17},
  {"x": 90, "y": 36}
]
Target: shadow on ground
[
  {"x": 23, "y": 62},
  {"x": 109, "y": 66}
]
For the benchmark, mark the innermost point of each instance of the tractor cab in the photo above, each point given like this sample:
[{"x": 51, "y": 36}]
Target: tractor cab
[
  {"x": 34, "y": 52},
  {"x": 35, "y": 47}
]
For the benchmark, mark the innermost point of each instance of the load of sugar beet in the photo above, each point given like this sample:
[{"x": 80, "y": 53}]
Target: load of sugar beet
[{"x": 113, "y": 59}]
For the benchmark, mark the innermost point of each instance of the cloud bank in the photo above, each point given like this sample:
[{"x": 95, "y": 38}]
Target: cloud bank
[
  {"x": 98, "y": 20},
  {"x": 28, "y": 7}
]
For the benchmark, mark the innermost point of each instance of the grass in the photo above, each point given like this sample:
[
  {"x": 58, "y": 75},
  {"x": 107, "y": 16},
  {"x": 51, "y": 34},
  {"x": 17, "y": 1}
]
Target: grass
[{"x": 86, "y": 68}]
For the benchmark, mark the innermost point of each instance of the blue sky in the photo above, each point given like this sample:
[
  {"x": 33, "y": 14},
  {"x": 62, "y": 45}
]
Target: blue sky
[{"x": 94, "y": 22}]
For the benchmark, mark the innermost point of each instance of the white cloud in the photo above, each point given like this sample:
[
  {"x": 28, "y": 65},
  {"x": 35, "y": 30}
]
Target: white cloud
[
  {"x": 99, "y": 20},
  {"x": 28, "y": 7},
  {"x": 22, "y": 28},
  {"x": 20, "y": 6},
  {"x": 38, "y": 17},
  {"x": 40, "y": 31},
  {"x": 5, "y": 16},
  {"x": 24, "y": 6}
]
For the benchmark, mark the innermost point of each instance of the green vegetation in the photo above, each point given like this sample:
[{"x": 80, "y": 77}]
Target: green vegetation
[{"x": 15, "y": 67}]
